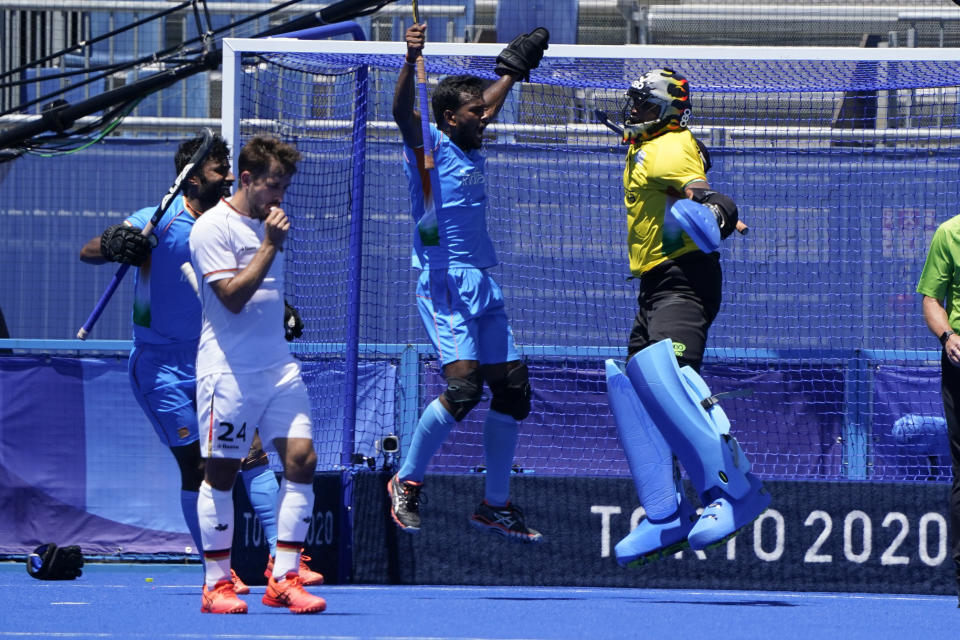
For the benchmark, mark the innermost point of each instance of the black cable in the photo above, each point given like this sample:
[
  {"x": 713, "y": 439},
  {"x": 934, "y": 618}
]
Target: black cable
[
  {"x": 204, "y": 32},
  {"x": 61, "y": 117},
  {"x": 336, "y": 12},
  {"x": 154, "y": 57},
  {"x": 57, "y": 144},
  {"x": 64, "y": 74},
  {"x": 86, "y": 43}
]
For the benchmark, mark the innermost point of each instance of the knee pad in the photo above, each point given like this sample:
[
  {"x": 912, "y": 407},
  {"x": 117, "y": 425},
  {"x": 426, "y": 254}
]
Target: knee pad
[
  {"x": 464, "y": 394},
  {"x": 699, "y": 436},
  {"x": 511, "y": 395}
]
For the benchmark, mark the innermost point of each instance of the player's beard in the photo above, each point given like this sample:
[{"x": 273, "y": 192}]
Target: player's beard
[
  {"x": 469, "y": 141},
  {"x": 209, "y": 193}
]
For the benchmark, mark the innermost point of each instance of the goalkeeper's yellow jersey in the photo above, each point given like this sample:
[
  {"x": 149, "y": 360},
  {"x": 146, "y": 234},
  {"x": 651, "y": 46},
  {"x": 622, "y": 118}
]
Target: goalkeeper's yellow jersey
[{"x": 655, "y": 176}]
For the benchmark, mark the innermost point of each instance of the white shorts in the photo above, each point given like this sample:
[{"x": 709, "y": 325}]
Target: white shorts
[{"x": 230, "y": 407}]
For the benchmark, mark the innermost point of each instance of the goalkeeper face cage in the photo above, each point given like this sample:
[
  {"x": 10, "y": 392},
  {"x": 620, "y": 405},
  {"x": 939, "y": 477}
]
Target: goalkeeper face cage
[{"x": 666, "y": 91}]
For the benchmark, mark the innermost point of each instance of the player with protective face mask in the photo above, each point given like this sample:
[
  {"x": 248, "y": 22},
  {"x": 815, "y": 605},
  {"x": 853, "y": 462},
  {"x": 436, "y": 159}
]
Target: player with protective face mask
[{"x": 662, "y": 407}]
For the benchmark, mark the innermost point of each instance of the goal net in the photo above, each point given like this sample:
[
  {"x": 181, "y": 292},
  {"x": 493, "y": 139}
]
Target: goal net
[{"x": 842, "y": 161}]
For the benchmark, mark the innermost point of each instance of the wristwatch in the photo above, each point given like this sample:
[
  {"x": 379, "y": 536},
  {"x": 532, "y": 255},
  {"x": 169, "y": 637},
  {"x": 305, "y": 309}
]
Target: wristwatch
[{"x": 946, "y": 336}]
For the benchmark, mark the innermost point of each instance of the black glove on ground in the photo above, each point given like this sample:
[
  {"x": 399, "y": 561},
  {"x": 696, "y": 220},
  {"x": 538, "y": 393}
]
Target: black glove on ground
[{"x": 50, "y": 562}]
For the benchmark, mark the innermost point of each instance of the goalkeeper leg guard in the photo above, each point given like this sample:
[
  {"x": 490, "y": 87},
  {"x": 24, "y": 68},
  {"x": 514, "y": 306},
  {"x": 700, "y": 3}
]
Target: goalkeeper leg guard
[
  {"x": 669, "y": 516},
  {"x": 698, "y": 433}
]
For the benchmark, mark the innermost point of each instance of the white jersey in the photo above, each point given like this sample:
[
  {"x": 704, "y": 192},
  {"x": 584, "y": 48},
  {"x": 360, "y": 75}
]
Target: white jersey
[{"x": 224, "y": 241}]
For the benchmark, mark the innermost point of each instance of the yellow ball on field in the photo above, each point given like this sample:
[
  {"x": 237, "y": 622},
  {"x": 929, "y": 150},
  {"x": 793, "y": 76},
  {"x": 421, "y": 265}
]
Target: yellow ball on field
[{"x": 148, "y": 579}]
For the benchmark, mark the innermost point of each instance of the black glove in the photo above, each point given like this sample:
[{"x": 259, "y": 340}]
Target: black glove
[
  {"x": 50, "y": 562},
  {"x": 523, "y": 54},
  {"x": 724, "y": 209},
  {"x": 122, "y": 243},
  {"x": 292, "y": 324}
]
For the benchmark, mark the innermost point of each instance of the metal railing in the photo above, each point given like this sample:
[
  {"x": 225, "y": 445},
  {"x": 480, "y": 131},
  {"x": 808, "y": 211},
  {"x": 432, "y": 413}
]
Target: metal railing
[
  {"x": 197, "y": 100},
  {"x": 35, "y": 29}
]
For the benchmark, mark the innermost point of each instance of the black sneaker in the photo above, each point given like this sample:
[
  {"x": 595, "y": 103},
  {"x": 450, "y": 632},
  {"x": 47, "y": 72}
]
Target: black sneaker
[
  {"x": 405, "y": 503},
  {"x": 507, "y": 521}
]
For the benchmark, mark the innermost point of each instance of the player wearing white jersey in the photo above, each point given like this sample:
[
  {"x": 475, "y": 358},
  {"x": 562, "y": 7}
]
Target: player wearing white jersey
[
  {"x": 246, "y": 376},
  {"x": 166, "y": 328}
]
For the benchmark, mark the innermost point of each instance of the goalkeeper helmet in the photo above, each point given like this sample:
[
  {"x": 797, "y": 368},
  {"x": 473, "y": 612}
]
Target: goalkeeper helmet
[{"x": 656, "y": 103}]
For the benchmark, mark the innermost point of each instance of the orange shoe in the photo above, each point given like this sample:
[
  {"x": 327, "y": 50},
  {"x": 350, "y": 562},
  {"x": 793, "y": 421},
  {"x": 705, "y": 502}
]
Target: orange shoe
[
  {"x": 239, "y": 587},
  {"x": 308, "y": 575},
  {"x": 222, "y": 599},
  {"x": 290, "y": 594}
]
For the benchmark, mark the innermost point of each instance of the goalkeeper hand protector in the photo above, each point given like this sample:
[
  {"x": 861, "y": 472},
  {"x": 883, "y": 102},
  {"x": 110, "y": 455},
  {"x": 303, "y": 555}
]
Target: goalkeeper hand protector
[{"x": 523, "y": 54}]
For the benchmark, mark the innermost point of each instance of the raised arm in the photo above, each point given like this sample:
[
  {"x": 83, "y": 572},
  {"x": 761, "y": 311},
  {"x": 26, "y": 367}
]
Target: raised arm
[
  {"x": 513, "y": 65},
  {"x": 495, "y": 95},
  {"x": 404, "y": 96}
]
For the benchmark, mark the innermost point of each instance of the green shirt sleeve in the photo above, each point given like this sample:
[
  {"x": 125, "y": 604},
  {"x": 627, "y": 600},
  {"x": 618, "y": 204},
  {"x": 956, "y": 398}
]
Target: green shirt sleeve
[{"x": 937, "y": 275}]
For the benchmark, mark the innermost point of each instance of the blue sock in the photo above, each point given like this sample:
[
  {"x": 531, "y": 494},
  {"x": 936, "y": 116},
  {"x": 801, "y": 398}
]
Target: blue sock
[
  {"x": 262, "y": 488},
  {"x": 433, "y": 428},
  {"x": 188, "y": 503},
  {"x": 499, "y": 445}
]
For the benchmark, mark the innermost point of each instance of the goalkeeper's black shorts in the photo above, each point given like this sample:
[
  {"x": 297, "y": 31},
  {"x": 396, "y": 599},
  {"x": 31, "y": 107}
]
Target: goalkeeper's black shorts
[{"x": 678, "y": 300}]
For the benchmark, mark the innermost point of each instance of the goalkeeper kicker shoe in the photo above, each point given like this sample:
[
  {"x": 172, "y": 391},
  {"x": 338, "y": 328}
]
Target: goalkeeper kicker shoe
[
  {"x": 724, "y": 516},
  {"x": 222, "y": 599},
  {"x": 308, "y": 575},
  {"x": 405, "y": 503},
  {"x": 290, "y": 593},
  {"x": 650, "y": 541},
  {"x": 506, "y": 521}
]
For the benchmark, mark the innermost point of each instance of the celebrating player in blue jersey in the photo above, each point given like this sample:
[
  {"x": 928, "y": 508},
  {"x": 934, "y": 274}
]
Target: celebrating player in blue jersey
[
  {"x": 461, "y": 305},
  {"x": 663, "y": 409},
  {"x": 166, "y": 329}
]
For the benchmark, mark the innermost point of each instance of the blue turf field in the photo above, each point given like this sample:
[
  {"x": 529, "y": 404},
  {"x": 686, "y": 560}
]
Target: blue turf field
[{"x": 116, "y": 601}]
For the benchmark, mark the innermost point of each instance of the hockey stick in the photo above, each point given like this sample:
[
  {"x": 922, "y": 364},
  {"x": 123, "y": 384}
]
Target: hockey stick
[
  {"x": 192, "y": 166},
  {"x": 602, "y": 118},
  {"x": 188, "y": 274},
  {"x": 422, "y": 91}
]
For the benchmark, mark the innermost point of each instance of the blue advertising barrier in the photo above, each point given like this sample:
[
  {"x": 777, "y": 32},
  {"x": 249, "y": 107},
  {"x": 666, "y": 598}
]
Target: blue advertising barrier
[{"x": 816, "y": 536}]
